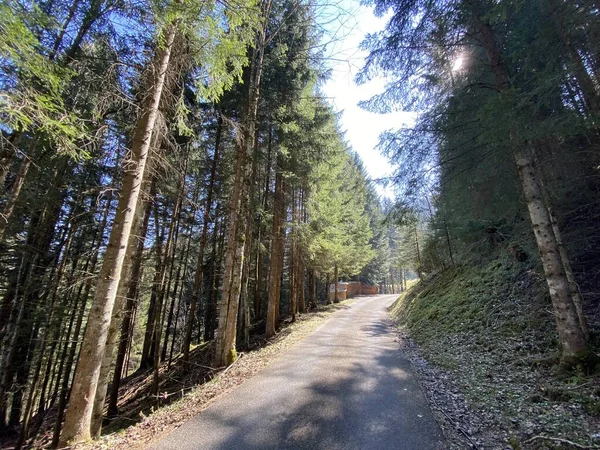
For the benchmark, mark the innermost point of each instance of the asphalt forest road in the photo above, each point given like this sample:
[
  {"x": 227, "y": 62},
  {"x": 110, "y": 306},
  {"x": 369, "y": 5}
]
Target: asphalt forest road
[{"x": 345, "y": 386}]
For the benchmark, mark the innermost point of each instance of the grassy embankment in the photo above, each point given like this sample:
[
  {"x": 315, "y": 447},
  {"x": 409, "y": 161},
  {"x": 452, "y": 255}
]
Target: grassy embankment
[{"x": 488, "y": 324}]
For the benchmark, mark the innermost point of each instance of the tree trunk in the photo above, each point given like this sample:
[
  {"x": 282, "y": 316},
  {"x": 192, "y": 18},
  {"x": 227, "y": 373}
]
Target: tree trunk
[
  {"x": 211, "y": 301},
  {"x": 42, "y": 343},
  {"x": 402, "y": 280},
  {"x": 276, "y": 255},
  {"x": 258, "y": 291},
  {"x": 127, "y": 324},
  {"x": 162, "y": 289},
  {"x": 13, "y": 196},
  {"x": 225, "y": 352},
  {"x": 174, "y": 236},
  {"x": 570, "y": 333},
  {"x": 148, "y": 346},
  {"x": 419, "y": 264},
  {"x": 302, "y": 272},
  {"x": 79, "y": 413},
  {"x": 244, "y": 315},
  {"x": 294, "y": 260},
  {"x": 198, "y": 278},
  {"x": 180, "y": 279},
  {"x": 335, "y": 276},
  {"x": 117, "y": 319},
  {"x": 90, "y": 266},
  {"x": 315, "y": 300},
  {"x": 572, "y": 338}
]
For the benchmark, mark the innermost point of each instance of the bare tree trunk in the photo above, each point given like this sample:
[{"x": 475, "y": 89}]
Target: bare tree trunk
[
  {"x": 13, "y": 195},
  {"x": 161, "y": 291},
  {"x": 180, "y": 278},
  {"x": 127, "y": 324},
  {"x": 198, "y": 278},
  {"x": 276, "y": 256},
  {"x": 244, "y": 316},
  {"x": 327, "y": 281},
  {"x": 303, "y": 273},
  {"x": 572, "y": 337},
  {"x": 314, "y": 287},
  {"x": 569, "y": 329},
  {"x": 335, "y": 276},
  {"x": 225, "y": 352},
  {"x": 302, "y": 280},
  {"x": 294, "y": 259},
  {"x": 70, "y": 356},
  {"x": 170, "y": 262},
  {"x": 419, "y": 264},
  {"x": 42, "y": 343},
  {"x": 24, "y": 291},
  {"x": 79, "y": 413},
  {"x": 116, "y": 321},
  {"x": 211, "y": 301},
  {"x": 148, "y": 346},
  {"x": 258, "y": 291},
  {"x": 402, "y": 281},
  {"x": 50, "y": 371},
  {"x": 243, "y": 331},
  {"x": 575, "y": 293},
  {"x": 170, "y": 319}
]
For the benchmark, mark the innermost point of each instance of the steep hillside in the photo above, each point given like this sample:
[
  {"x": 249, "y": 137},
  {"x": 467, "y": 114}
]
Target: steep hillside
[{"x": 485, "y": 329}]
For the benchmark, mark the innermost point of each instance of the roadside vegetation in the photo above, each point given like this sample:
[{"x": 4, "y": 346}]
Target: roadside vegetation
[
  {"x": 485, "y": 347},
  {"x": 173, "y": 183},
  {"x": 498, "y": 207}
]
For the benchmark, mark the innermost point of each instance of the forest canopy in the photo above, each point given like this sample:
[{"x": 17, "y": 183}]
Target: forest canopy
[{"x": 170, "y": 176}]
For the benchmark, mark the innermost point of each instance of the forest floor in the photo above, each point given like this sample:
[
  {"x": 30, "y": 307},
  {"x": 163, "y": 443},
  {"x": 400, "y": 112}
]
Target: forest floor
[
  {"x": 145, "y": 418},
  {"x": 482, "y": 339}
]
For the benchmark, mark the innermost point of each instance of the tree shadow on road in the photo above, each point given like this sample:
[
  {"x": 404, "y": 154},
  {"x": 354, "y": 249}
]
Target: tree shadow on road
[{"x": 369, "y": 401}]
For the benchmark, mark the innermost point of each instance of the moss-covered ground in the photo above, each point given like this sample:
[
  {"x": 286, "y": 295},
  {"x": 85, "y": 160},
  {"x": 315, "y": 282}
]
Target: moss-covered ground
[{"x": 487, "y": 328}]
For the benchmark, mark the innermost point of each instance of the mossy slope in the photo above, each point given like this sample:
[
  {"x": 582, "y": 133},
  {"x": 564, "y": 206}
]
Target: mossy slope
[{"x": 489, "y": 323}]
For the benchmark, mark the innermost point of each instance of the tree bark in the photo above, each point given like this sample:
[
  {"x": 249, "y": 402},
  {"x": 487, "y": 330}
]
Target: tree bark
[
  {"x": 315, "y": 300},
  {"x": 211, "y": 301},
  {"x": 127, "y": 324},
  {"x": 294, "y": 260},
  {"x": 79, "y": 413},
  {"x": 198, "y": 277},
  {"x": 162, "y": 289},
  {"x": 335, "y": 281},
  {"x": 225, "y": 352},
  {"x": 258, "y": 290},
  {"x": 570, "y": 333},
  {"x": 13, "y": 195},
  {"x": 117, "y": 319},
  {"x": 63, "y": 387},
  {"x": 419, "y": 264},
  {"x": 42, "y": 343},
  {"x": 571, "y": 336},
  {"x": 276, "y": 255}
]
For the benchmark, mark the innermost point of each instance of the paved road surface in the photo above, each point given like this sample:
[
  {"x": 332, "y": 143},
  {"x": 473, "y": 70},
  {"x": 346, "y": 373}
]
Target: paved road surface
[{"x": 345, "y": 386}]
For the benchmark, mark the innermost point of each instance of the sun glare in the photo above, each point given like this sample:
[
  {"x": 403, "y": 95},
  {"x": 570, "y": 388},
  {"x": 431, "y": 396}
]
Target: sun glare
[{"x": 458, "y": 64}]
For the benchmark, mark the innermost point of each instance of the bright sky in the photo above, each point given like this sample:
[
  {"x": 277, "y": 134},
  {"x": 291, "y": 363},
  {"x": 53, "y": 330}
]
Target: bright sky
[{"x": 362, "y": 127}]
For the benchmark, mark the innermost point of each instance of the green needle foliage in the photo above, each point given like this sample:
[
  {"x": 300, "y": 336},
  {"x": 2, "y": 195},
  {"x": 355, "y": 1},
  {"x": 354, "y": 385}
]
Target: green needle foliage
[
  {"x": 494, "y": 84},
  {"x": 132, "y": 132}
]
